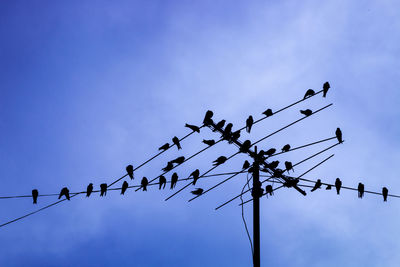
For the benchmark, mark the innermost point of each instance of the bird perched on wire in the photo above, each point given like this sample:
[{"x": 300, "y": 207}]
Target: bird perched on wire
[
  {"x": 269, "y": 190},
  {"x": 220, "y": 160},
  {"x": 385, "y": 192},
  {"x": 291, "y": 182},
  {"x": 268, "y": 112},
  {"x": 309, "y": 93},
  {"x": 162, "y": 182},
  {"x": 194, "y": 128},
  {"x": 249, "y": 123},
  {"x": 286, "y": 148},
  {"x": 210, "y": 142},
  {"x": 234, "y": 137},
  {"x": 306, "y": 112},
  {"x": 328, "y": 187},
  {"x": 35, "y": 194},
  {"x": 178, "y": 160},
  {"x": 325, "y": 87},
  {"x": 207, "y": 118},
  {"x": 197, "y": 192},
  {"x": 124, "y": 187},
  {"x": 288, "y": 166},
  {"x": 274, "y": 164},
  {"x": 270, "y": 152},
  {"x": 176, "y": 142},
  {"x": 339, "y": 135},
  {"x": 64, "y": 192},
  {"x": 338, "y": 185},
  {"x": 169, "y": 167},
  {"x": 129, "y": 170},
  {"x": 164, "y": 147},
  {"x": 144, "y": 183},
  {"x": 103, "y": 190},
  {"x": 219, "y": 125},
  {"x": 174, "y": 180},
  {"x": 360, "y": 190},
  {"x": 227, "y": 131},
  {"x": 195, "y": 174},
  {"x": 245, "y": 146},
  {"x": 317, "y": 185},
  {"x": 89, "y": 190},
  {"x": 246, "y": 165}
]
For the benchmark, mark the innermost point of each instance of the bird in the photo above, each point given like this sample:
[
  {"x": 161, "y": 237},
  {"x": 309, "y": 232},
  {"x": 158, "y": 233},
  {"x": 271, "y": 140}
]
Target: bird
[
  {"x": 129, "y": 170},
  {"x": 291, "y": 182},
  {"x": 227, "y": 131},
  {"x": 317, "y": 185},
  {"x": 64, "y": 192},
  {"x": 269, "y": 190},
  {"x": 197, "y": 192},
  {"x": 249, "y": 123},
  {"x": 246, "y": 165},
  {"x": 235, "y": 136},
  {"x": 328, "y": 187},
  {"x": 306, "y": 112},
  {"x": 210, "y": 142},
  {"x": 176, "y": 142},
  {"x": 268, "y": 112},
  {"x": 270, "y": 152},
  {"x": 277, "y": 173},
  {"x": 194, "y": 128},
  {"x": 385, "y": 192},
  {"x": 207, "y": 118},
  {"x": 288, "y": 166},
  {"x": 195, "y": 174},
  {"x": 144, "y": 183},
  {"x": 162, "y": 182},
  {"x": 310, "y": 92},
  {"x": 89, "y": 190},
  {"x": 220, "y": 160},
  {"x": 245, "y": 146},
  {"x": 273, "y": 164},
  {"x": 164, "y": 147},
  {"x": 338, "y": 185},
  {"x": 178, "y": 160},
  {"x": 360, "y": 190},
  {"x": 219, "y": 125},
  {"x": 325, "y": 87},
  {"x": 169, "y": 167},
  {"x": 124, "y": 187},
  {"x": 35, "y": 194},
  {"x": 339, "y": 135},
  {"x": 174, "y": 180},
  {"x": 103, "y": 190},
  {"x": 286, "y": 148}
]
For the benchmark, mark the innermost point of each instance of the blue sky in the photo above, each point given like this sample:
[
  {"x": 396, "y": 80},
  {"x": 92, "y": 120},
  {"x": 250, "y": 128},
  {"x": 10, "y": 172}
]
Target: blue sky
[{"x": 88, "y": 87}]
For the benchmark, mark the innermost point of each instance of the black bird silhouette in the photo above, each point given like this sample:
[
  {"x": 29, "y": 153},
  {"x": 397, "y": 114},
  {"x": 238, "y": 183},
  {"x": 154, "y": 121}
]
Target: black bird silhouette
[
  {"x": 385, "y": 192},
  {"x": 207, "y": 118},
  {"x": 317, "y": 185},
  {"x": 245, "y": 146},
  {"x": 174, "y": 180},
  {"x": 339, "y": 135},
  {"x": 124, "y": 187},
  {"x": 194, "y": 128},
  {"x": 64, "y": 192},
  {"x": 286, "y": 148},
  {"x": 103, "y": 190},
  {"x": 246, "y": 165},
  {"x": 162, "y": 182},
  {"x": 195, "y": 174},
  {"x": 235, "y": 136},
  {"x": 360, "y": 190},
  {"x": 277, "y": 173},
  {"x": 197, "y": 192},
  {"x": 288, "y": 166},
  {"x": 310, "y": 92},
  {"x": 144, "y": 183},
  {"x": 274, "y": 164},
  {"x": 249, "y": 123},
  {"x": 178, "y": 160},
  {"x": 270, "y": 152},
  {"x": 169, "y": 167},
  {"x": 338, "y": 185},
  {"x": 164, "y": 147},
  {"x": 269, "y": 190},
  {"x": 326, "y": 87},
  {"x": 210, "y": 142},
  {"x": 328, "y": 187},
  {"x": 129, "y": 170},
  {"x": 220, "y": 160},
  {"x": 291, "y": 182},
  {"x": 89, "y": 190},
  {"x": 176, "y": 142},
  {"x": 35, "y": 194},
  {"x": 268, "y": 112},
  {"x": 219, "y": 125},
  {"x": 227, "y": 131},
  {"x": 306, "y": 112}
]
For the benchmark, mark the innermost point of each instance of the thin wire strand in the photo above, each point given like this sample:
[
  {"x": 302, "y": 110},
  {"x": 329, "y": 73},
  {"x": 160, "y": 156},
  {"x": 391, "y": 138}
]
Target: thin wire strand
[{"x": 244, "y": 219}]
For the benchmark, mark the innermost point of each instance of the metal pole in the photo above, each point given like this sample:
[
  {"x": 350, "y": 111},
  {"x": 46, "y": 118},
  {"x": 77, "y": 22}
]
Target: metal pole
[{"x": 256, "y": 192}]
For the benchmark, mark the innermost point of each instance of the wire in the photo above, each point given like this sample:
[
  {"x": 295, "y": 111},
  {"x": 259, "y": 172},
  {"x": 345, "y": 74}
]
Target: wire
[
  {"x": 299, "y": 147},
  {"x": 244, "y": 219}
]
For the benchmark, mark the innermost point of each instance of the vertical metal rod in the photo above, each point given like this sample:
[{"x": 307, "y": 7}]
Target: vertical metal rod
[{"x": 256, "y": 209}]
